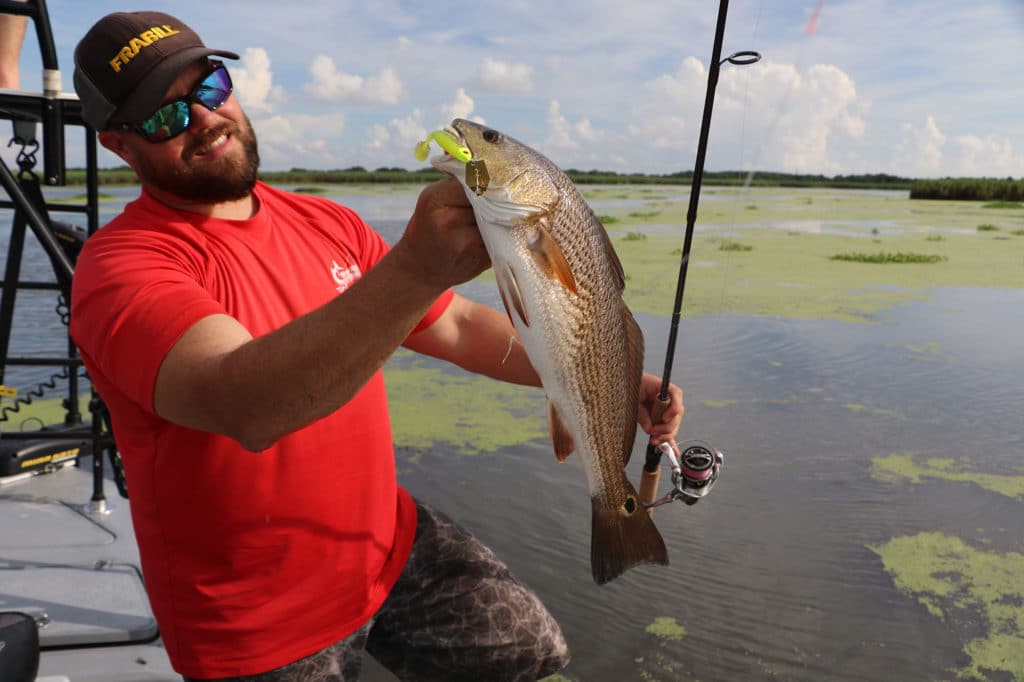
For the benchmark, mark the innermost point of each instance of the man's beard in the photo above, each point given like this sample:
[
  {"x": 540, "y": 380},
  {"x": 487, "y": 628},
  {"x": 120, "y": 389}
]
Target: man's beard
[{"x": 226, "y": 179}]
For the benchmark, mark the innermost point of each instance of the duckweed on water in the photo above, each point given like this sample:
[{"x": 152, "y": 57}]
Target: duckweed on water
[
  {"x": 903, "y": 466},
  {"x": 792, "y": 276},
  {"x": 666, "y": 629},
  {"x": 430, "y": 405},
  {"x": 718, "y": 404},
  {"x": 730, "y": 245},
  {"x": 965, "y": 587},
  {"x": 885, "y": 257},
  {"x": 858, "y": 408}
]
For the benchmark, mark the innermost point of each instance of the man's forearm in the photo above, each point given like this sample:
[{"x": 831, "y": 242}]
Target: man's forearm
[
  {"x": 480, "y": 339},
  {"x": 303, "y": 371}
]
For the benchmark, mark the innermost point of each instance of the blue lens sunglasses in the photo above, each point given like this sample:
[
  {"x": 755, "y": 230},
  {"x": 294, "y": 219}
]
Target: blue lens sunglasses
[{"x": 173, "y": 118}]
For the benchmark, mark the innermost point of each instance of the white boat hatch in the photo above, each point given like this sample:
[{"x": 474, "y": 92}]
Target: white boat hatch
[{"x": 82, "y": 605}]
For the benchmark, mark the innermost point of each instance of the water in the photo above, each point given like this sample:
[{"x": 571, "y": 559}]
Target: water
[{"x": 773, "y": 575}]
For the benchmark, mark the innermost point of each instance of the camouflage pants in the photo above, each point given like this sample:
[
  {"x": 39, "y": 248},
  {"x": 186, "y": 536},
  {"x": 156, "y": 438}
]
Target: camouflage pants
[{"x": 456, "y": 613}]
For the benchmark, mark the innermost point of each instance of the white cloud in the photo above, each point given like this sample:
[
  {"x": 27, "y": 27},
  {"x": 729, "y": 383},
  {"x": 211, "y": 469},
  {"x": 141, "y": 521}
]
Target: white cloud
[
  {"x": 460, "y": 107},
  {"x": 295, "y": 140},
  {"x": 377, "y": 137},
  {"x": 985, "y": 157},
  {"x": 919, "y": 150},
  {"x": 566, "y": 136},
  {"x": 926, "y": 151},
  {"x": 327, "y": 83},
  {"x": 254, "y": 81},
  {"x": 792, "y": 121},
  {"x": 498, "y": 76},
  {"x": 663, "y": 115},
  {"x": 392, "y": 144},
  {"x": 824, "y": 108},
  {"x": 683, "y": 87}
]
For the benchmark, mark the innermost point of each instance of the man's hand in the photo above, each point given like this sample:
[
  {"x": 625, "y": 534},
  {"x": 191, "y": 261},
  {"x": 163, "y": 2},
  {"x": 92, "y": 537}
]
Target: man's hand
[
  {"x": 442, "y": 243},
  {"x": 666, "y": 429}
]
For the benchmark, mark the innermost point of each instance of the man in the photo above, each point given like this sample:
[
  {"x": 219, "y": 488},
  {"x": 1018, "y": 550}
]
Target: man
[{"x": 248, "y": 402}]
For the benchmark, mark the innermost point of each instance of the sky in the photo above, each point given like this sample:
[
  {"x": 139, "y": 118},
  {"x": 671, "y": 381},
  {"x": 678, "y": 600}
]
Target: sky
[{"x": 912, "y": 88}]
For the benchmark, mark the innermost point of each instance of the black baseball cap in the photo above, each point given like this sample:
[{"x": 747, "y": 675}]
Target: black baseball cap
[{"x": 128, "y": 60}]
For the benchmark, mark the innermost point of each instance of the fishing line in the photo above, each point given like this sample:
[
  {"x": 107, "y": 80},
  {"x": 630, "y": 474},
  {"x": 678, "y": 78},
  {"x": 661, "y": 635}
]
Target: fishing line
[
  {"x": 743, "y": 192},
  {"x": 728, "y": 256},
  {"x": 809, "y": 29},
  {"x": 696, "y": 470}
]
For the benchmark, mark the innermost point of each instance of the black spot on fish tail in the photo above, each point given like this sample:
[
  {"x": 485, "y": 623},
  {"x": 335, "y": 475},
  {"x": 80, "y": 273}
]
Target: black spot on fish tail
[{"x": 623, "y": 538}]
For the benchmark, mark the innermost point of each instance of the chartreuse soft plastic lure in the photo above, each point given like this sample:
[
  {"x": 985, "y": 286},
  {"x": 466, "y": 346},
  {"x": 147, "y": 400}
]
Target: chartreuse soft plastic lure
[{"x": 447, "y": 143}]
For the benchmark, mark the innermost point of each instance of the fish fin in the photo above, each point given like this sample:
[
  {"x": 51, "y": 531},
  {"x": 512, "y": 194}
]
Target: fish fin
[
  {"x": 550, "y": 258},
  {"x": 508, "y": 287},
  {"x": 561, "y": 437},
  {"x": 635, "y": 367},
  {"x": 622, "y": 538}
]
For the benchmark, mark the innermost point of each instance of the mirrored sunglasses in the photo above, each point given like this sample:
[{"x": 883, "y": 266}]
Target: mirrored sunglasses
[{"x": 173, "y": 118}]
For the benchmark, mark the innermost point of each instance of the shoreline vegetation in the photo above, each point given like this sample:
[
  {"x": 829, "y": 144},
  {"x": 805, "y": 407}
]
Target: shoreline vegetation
[{"x": 967, "y": 189}]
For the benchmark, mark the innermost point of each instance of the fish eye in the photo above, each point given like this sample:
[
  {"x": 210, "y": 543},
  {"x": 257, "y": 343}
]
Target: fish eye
[{"x": 491, "y": 135}]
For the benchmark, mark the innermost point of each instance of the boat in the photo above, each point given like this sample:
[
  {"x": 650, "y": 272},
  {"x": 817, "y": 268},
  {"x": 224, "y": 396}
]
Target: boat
[{"x": 73, "y": 606}]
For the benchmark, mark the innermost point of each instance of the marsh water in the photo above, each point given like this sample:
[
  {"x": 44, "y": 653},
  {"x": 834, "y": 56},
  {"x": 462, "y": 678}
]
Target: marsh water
[{"x": 868, "y": 521}]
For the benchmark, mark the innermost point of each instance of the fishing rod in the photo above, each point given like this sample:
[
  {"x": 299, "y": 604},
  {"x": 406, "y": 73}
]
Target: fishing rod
[{"x": 696, "y": 469}]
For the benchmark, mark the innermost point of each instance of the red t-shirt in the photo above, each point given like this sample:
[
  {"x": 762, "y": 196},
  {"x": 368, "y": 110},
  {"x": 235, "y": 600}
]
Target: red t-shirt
[{"x": 251, "y": 560}]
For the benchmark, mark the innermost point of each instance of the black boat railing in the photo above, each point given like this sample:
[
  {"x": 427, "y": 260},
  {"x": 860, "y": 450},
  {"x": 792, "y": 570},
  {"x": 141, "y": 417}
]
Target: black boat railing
[{"x": 50, "y": 111}]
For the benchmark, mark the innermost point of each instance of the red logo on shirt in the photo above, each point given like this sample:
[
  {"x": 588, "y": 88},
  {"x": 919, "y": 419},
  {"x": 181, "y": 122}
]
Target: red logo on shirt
[{"x": 344, "y": 276}]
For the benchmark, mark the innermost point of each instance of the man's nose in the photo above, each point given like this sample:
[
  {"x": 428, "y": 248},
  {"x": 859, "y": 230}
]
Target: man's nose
[{"x": 201, "y": 116}]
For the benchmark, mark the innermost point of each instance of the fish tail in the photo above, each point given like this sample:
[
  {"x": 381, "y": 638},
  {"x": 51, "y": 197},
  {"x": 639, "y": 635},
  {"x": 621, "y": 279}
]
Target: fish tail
[{"x": 623, "y": 538}]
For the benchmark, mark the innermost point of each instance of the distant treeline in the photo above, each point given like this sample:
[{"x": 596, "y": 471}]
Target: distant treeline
[
  {"x": 974, "y": 189},
  {"x": 738, "y": 178},
  {"x": 357, "y": 174}
]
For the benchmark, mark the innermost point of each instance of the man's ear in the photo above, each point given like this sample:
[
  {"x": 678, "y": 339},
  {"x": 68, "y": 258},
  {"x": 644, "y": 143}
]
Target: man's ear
[{"x": 113, "y": 141}]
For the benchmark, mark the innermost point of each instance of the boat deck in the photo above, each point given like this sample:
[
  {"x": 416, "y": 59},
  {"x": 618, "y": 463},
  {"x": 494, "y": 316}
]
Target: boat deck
[{"x": 77, "y": 568}]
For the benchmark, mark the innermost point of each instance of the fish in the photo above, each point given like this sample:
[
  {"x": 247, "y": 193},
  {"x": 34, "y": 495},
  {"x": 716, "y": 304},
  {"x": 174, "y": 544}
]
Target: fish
[{"x": 562, "y": 283}]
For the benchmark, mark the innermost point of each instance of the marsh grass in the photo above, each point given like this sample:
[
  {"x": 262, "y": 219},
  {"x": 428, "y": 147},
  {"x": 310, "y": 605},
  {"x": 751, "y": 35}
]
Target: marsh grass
[
  {"x": 645, "y": 214},
  {"x": 1018, "y": 233},
  {"x": 885, "y": 257},
  {"x": 310, "y": 190},
  {"x": 935, "y": 238},
  {"x": 988, "y": 227},
  {"x": 730, "y": 245},
  {"x": 634, "y": 237},
  {"x": 1004, "y": 204},
  {"x": 607, "y": 219}
]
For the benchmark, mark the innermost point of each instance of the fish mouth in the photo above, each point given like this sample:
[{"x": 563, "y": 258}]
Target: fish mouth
[{"x": 445, "y": 161}]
